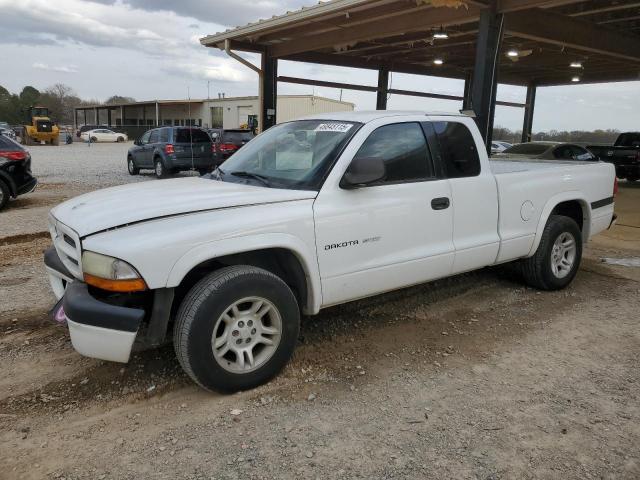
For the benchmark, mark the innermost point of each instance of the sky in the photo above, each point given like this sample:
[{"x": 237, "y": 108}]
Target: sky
[{"x": 149, "y": 49}]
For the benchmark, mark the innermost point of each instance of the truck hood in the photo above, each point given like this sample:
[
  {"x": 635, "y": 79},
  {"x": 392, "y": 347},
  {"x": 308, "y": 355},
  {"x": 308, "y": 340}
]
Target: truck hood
[{"x": 133, "y": 203}]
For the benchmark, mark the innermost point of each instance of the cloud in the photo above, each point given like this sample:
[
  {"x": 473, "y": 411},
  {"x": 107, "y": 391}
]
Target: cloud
[{"x": 56, "y": 68}]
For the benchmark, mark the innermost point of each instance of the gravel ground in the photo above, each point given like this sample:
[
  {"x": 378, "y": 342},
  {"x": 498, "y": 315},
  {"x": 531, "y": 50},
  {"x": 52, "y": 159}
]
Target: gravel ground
[{"x": 474, "y": 377}]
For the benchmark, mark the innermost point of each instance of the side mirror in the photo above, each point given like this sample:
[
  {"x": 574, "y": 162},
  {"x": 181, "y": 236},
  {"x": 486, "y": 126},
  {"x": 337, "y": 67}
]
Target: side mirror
[
  {"x": 214, "y": 136},
  {"x": 362, "y": 172},
  {"x": 137, "y": 142}
]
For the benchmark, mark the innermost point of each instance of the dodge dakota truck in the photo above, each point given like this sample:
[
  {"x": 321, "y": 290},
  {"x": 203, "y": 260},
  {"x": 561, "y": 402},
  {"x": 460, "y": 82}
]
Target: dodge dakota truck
[{"x": 311, "y": 213}]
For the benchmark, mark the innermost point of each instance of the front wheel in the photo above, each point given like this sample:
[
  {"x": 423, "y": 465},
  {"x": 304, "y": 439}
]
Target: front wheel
[
  {"x": 94, "y": 139},
  {"x": 236, "y": 328},
  {"x": 131, "y": 167},
  {"x": 557, "y": 259}
]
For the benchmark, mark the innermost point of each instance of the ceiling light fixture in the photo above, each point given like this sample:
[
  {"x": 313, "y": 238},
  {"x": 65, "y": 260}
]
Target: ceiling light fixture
[
  {"x": 575, "y": 79},
  {"x": 438, "y": 61},
  {"x": 513, "y": 53},
  {"x": 575, "y": 64},
  {"x": 441, "y": 34}
]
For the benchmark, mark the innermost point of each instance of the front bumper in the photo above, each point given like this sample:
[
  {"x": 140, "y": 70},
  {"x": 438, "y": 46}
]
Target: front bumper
[{"x": 98, "y": 329}]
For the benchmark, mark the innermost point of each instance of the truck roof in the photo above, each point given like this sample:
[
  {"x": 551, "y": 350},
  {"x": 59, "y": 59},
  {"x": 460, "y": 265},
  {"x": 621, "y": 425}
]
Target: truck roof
[{"x": 365, "y": 116}]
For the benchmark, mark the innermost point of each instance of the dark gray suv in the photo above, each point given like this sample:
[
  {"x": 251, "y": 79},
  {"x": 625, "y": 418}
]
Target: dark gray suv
[{"x": 170, "y": 150}]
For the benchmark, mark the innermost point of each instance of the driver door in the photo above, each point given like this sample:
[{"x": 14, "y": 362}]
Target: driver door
[{"x": 392, "y": 233}]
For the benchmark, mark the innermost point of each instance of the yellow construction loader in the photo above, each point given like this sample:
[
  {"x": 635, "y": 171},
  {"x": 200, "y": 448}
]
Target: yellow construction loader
[{"x": 39, "y": 128}]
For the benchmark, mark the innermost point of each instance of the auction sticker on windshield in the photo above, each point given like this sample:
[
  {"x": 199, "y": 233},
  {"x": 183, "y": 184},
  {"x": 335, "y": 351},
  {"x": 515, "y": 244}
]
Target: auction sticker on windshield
[{"x": 334, "y": 127}]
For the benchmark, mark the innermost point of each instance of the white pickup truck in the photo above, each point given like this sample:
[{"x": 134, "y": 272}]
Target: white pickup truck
[{"x": 311, "y": 213}]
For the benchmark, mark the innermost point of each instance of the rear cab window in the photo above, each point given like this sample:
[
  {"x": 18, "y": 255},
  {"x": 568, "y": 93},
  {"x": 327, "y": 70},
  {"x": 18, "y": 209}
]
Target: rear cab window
[{"x": 458, "y": 151}]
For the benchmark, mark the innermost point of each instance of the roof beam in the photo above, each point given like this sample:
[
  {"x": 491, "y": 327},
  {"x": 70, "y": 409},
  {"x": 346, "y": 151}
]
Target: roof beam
[
  {"x": 505, "y": 6},
  {"x": 561, "y": 30},
  {"x": 379, "y": 28}
]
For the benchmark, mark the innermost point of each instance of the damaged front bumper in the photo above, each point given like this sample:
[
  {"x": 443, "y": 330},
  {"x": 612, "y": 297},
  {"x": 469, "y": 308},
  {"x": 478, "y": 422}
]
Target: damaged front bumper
[{"x": 106, "y": 326}]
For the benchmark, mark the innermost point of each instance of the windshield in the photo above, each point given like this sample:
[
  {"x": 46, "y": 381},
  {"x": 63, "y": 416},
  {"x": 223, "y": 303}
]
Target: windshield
[
  {"x": 294, "y": 155},
  {"x": 528, "y": 149}
]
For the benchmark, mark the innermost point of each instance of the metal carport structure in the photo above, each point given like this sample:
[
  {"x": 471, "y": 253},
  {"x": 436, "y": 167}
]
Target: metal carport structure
[{"x": 531, "y": 43}]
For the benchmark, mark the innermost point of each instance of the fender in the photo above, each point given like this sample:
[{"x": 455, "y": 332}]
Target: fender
[
  {"x": 573, "y": 195},
  {"x": 13, "y": 189},
  {"x": 228, "y": 246}
]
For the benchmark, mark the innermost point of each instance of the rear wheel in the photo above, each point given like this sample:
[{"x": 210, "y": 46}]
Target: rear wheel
[
  {"x": 120, "y": 139},
  {"x": 236, "y": 328},
  {"x": 159, "y": 168},
  {"x": 557, "y": 259},
  {"x": 131, "y": 167},
  {"x": 4, "y": 194},
  {"x": 94, "y": 139}
]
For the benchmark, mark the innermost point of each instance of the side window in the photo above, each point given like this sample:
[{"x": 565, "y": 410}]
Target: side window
[
  {"x": 563, "y": 152},
  {"x": 164, "y": 135},
  {"x": 403, "y": 149},
  {"x": 145, "y": 137},
  {"x": 458, "y": 148},
  {"x": 155, "y": 136}
]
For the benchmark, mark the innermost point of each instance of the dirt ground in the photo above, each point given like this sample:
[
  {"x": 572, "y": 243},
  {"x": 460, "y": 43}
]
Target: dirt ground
[{"x": 472, "y": 377}]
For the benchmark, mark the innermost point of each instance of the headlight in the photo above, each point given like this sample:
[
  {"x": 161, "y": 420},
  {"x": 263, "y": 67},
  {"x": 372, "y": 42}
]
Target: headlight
[{"x": 109, "y": 273}]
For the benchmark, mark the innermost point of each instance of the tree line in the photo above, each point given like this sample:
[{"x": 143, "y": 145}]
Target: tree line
[
  {"x": 575, "y": 136},
  {"x": 60, "y": 99}
]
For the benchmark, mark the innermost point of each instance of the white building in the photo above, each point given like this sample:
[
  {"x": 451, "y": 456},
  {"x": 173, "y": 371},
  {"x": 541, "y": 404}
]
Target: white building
[{"x": 228, "y": 112}]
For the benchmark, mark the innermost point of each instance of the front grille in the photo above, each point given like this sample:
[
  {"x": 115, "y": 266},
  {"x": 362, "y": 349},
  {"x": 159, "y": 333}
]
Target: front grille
[{"x": 67, "y": 245}]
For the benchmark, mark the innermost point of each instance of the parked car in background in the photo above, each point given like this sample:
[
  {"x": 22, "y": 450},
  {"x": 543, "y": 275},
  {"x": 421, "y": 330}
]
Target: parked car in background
[
  {"x": 15, "y": 170},
  {"x": 227, "y": 142},
  {"x": 86, "y": 128},
  {"x": 624, "y": 154},
  {"x": 103, "y": 135},
  {"x": 311, "y": 213},
  {"x": 498, "y": 146},
  {"x": 169, "y": 150},
  {"x": 547, "y": 151}
]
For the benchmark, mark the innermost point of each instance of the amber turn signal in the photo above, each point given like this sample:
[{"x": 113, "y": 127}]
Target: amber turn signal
[{"x": 129, "y": 285}]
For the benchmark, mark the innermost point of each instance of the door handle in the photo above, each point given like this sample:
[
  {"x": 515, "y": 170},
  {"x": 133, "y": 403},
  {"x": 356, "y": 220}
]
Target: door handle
[{"x": 440, "y": 203}]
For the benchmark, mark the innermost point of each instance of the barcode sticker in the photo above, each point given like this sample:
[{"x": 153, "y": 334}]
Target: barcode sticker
[{"x": 334, "y": 127}]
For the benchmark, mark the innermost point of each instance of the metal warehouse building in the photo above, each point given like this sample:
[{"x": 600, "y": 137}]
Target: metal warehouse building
[{"x": 226, "y": 112}]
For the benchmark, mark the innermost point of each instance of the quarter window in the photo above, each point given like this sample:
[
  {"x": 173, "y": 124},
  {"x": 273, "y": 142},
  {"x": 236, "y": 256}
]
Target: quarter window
[
  {"x": 458, "y": 149},
  {"x": 403, "y": 149},
  {"x": 155, "y": 135},
  {"x": 145, "y": 137}
]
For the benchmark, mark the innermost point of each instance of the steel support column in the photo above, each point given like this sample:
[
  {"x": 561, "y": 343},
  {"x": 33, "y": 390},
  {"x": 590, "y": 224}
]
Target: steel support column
[
  {"x": 268, "y": 91},
  {"x": 485, "y": 73},
  {"x": 383, "y": 88},
  {"x": 97, "y": 115},
  {"x": 528, "y": 114},
  {"x": 466, "y": 96},
  {"x": 109, "y": 116},
  {"x": 121, "y": 115},
  {"x": 158, "y": 114}
]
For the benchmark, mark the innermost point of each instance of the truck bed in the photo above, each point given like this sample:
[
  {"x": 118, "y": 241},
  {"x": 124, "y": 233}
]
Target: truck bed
[{"x": 527, "y": 189}]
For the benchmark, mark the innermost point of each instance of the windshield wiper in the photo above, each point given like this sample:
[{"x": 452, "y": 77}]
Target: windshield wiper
[
  {"x": 218, "y": 173},
  {"x": 255, "y": 176}
]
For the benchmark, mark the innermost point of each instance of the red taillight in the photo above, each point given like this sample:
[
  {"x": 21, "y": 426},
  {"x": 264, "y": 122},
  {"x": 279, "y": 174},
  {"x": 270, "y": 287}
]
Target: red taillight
[
  {"x": 168, "y": 149},
  {"x": 615, "y": 186},
  {"x": 14, "y": 155},
  {"x": 227, "y": 147}
]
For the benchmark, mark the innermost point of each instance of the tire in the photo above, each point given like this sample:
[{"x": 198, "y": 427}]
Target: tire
[
  {"x": 159, "y": 169},
  {"x": 120, "y": 139},
  {"x": 55, "y": 142},
  {"x": 4, "y": 194},
  {"x": 94, "y": 140},
  {"x": 199, "y": 322},
  {"x": 538, "y": 271},
  {"x": 131, "y": 166}
]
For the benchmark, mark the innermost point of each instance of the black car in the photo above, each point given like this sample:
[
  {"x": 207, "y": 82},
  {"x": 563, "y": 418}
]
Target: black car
[
  {"x": 15, "y": 170},
  {"x": 169, "y": 150},
  {"x": 624, "y": 154},
  {"x": 227, "y": 142}
]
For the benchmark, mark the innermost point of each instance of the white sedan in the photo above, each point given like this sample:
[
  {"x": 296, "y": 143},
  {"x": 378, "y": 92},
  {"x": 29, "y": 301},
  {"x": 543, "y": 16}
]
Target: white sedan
[{"x": 103, "y": 135}]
